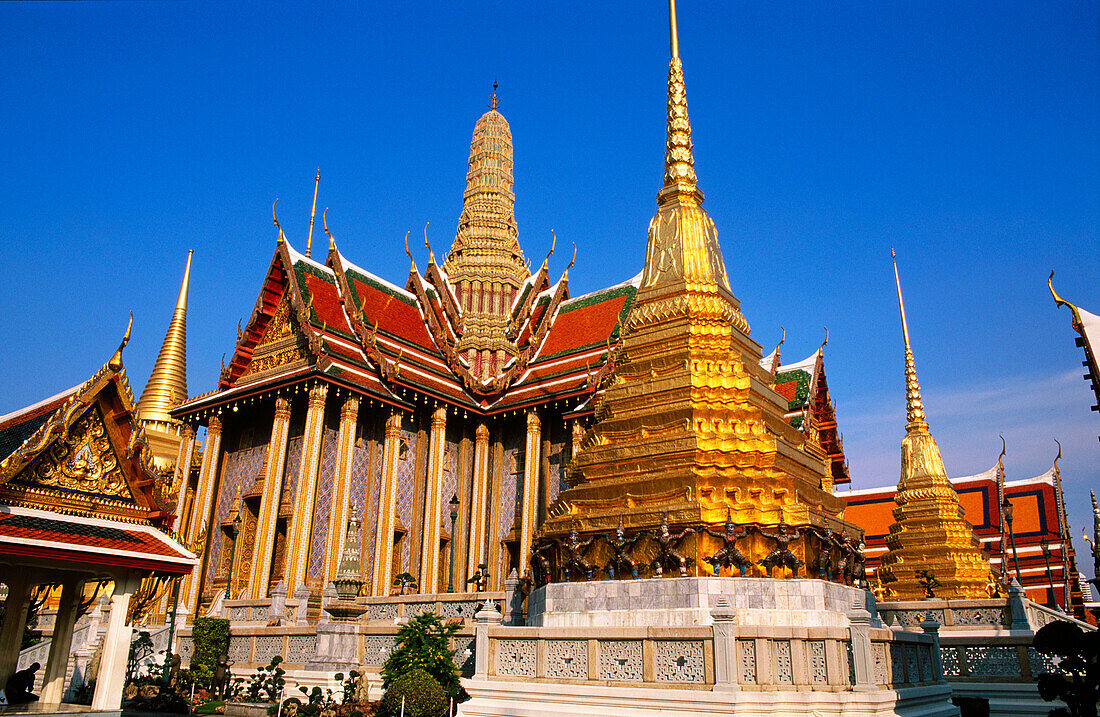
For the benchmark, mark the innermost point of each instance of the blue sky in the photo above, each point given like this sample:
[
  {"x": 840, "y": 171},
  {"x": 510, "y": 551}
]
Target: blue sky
[{"x": 824, "y": 134}]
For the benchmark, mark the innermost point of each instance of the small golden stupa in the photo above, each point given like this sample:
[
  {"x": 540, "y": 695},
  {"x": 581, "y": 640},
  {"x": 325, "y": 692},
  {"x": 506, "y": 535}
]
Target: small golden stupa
[
  {"x": 691, "y": 425},
  {"x": 931, "y": 538}
]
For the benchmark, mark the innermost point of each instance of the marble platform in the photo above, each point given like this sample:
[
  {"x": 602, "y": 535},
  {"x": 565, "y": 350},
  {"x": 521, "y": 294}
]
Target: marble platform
[{"x": 683, "y": 602}]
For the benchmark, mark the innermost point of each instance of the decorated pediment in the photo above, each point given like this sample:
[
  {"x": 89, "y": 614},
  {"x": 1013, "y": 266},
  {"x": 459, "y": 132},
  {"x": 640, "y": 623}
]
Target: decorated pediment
[{"x": 88, "y": 456}]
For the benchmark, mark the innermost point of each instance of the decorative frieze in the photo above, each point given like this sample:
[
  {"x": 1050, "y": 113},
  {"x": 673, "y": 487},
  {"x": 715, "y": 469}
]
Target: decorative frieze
[
  {"x": 376, "y": 649},
  {"x": 746, "y": 657},
  {"x": 819, "y": 671},
  {"x": 784, "y": 668}
]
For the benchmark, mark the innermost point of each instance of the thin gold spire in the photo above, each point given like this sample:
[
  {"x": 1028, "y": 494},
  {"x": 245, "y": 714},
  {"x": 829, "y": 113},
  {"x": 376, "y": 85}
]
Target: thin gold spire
[
  {"x": 313, "y": 213},
  {"x": 914, "y": 407},
  {"x": 167, "y": 385},
  {"x": 674, "y": 36},
  {"x": 494, "y": 101}
]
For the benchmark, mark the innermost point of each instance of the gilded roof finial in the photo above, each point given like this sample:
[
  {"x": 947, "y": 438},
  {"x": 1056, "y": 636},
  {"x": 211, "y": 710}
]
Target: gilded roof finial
[
  {"x": 674, "y": 36},
  {"x": 914, "y": 405},
  {"x": 431, "y": 254},
  {"x": 331, "y": 239},
  {"x": 821, "y": 349},
  {"x": 313, "y": 213},
  {"x": 554, "y": 243},
  {"x": 1058, "y": 457},
  {"x": 494, "y": 101},
  {"x": 282, "y": 237},
  {"x": 167, "y": 383},
  {"x": 1062, "y": 302},
  {"x": 115, "y": 364}
]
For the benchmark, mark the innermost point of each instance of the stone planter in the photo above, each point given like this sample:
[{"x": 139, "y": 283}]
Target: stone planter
[{"x": 246, "y": 709}]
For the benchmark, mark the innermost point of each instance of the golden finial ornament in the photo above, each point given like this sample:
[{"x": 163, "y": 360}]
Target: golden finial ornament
[
  {"x": 494, "y": 101},
  {"x": 431, "y": 254},
  {"x": 115, "y": 364},
  {"x": 282, "y": 237},
  {"x": 324, "y": 223},
  {"x": 1077, "y": 325},
  {"x": 313, "y": 213}
]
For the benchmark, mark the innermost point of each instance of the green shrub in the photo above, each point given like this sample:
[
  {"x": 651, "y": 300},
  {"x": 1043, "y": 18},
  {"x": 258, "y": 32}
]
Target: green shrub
[
  {"x": 423, "y": 695},
  {"x": 268, "y": 682},
  {"x": 210, "y": 636},
  {"x": 423, "y": 643}
]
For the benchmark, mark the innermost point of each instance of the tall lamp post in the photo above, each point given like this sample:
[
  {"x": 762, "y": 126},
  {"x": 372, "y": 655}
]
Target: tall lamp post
[
  {"x": 1051, "y": 601},
  {"x": 453, "y": 505},
  {"x": 234, "y": 531},
  {"x": 1006, "y": 510}
]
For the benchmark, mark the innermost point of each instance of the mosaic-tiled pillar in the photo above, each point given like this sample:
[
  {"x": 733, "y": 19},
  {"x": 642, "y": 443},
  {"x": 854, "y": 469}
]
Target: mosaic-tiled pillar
[
  {"x": 274, "y": 467},
  {"x": 181, "y": 476},
  {"x": 433, "y": 504},
  {"x": 197, "y": 531},
  {"x": 530, "y": 503},
  {"x": 297, "y": 554},
  {"x": 341, "y": 489},
  {"x": 387, "y": 509},
  {"x": 479, "y": 511}
]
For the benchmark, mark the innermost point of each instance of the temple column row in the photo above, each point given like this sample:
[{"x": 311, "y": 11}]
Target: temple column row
[
  {"x": 301, "y": 527},
  {"x": 198, "y": 531},
  {"x": 267, "y": 522}
]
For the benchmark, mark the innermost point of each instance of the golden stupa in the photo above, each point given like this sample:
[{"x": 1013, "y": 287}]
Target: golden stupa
[
  {"x": 690, "y": 424},
  {"x": 931, "y": 541}
]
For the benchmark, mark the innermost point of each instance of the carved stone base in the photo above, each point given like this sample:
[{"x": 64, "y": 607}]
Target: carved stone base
[{"x": 680, "y": 602}]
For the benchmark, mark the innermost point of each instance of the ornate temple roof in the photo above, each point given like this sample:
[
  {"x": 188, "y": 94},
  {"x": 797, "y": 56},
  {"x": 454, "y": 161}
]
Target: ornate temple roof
[
  {"x": 47, "y": 535},
  {"x": 810, "y": 408},
  {"x": 84, "y": 453},
  {"x": 337, "y": 320}
]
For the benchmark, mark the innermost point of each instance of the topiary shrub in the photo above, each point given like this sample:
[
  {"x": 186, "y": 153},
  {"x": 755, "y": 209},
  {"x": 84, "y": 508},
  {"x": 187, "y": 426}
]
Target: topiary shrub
[
  {"x": 422, "y": 693},
  {"x": 1076, "y": 679},
  {"x": 424, "y": 643},
  {"x": 210, "y": 636}
]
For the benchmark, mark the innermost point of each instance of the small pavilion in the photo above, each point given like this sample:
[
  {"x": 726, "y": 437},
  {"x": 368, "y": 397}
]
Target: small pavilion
[{"x": 81, "y": 501}]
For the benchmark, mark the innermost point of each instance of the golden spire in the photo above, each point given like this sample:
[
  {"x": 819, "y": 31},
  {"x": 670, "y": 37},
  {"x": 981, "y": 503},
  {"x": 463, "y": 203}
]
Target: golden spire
[
  {"x": 930, "y": 531},
  {"x": 682, "y": 245},
  {"x": 914, "y": 407},
  {"x": 313, "y": 213},
  {"x": 167, "y": 385},
  {"x": 679, "y": 160}
]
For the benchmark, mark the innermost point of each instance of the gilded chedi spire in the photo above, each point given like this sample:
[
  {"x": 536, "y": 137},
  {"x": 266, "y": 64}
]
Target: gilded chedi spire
[
  {"x": 682, "y": 251},
  {"x": 167, "y": 385},
  {"x": 485, "y": 265},
  {"x": 687, "y": 426},
  {"x": 930, "y": 531}
]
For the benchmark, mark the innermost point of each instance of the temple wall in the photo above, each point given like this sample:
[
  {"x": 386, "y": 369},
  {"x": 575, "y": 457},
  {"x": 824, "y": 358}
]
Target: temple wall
[{"x": 326, "y": 476}]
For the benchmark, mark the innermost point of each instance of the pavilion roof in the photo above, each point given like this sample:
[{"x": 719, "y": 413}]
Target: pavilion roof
[
  {"x": 337, "y": 320},
  {"x": 35, "y": 534}
]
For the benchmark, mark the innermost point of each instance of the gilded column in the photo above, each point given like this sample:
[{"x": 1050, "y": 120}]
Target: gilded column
[
  {"x": 531, "y": 472},
  {"x": 274, "y": 467},
  {"x": 197, "y": 538},
  {"x": 181, "y": 477},
  {"x": 341, "y": 489},
  {"x": 433, "y": 504},
  {"x": 387, "y": 509},
  {"x": 297, "y": 554},
  {"x": 479, "y": 522}
]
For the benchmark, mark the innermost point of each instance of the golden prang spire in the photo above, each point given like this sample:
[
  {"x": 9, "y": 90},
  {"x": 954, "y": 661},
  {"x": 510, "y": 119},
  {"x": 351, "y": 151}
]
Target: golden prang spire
[
  {"x": 486, "y": 266},
  {"x": 930, "y": 531},
  {"x": 914, "y": 407},
  {"x": 167, "y": 385}
]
